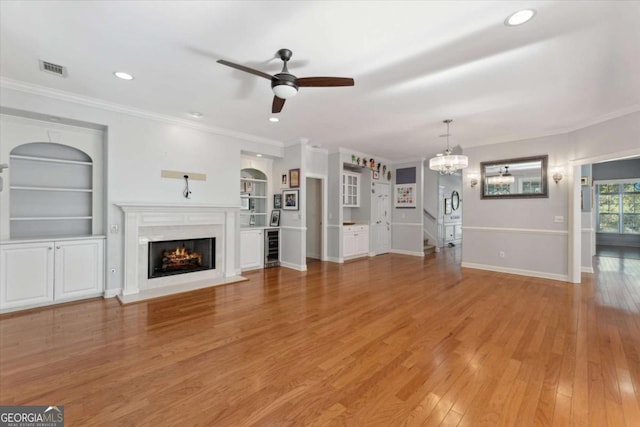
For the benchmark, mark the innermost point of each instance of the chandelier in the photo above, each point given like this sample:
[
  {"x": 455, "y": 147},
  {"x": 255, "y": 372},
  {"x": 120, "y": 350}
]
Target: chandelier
[
  {"x": 502, "y": 179},
  {"x": 447, "y": 163}
]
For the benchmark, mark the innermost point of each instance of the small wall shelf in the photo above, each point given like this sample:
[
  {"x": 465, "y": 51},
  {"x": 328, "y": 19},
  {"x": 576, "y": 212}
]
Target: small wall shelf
[{"x": 50, "y": 160}]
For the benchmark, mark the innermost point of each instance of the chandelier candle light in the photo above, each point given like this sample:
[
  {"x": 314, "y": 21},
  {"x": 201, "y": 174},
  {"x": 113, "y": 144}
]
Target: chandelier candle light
[{"x": 447, "y": 163}]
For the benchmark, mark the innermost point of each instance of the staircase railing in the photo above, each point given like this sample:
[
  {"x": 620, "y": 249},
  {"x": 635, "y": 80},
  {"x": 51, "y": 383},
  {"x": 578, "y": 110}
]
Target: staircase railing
[{"x": 429, "y": 215}]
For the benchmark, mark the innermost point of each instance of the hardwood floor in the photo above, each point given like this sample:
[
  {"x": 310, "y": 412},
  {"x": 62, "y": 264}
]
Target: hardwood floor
[{"x": 392, "y": 340}]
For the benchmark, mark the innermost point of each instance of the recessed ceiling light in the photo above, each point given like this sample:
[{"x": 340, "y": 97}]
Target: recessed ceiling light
[
  {"x": 274, "y": 119},
  {"x": 258, "y": 155},
  {"x": 520, "y": 17},
  {"x": 122, "y": 75},
  {"x": 196, "y": 114}
]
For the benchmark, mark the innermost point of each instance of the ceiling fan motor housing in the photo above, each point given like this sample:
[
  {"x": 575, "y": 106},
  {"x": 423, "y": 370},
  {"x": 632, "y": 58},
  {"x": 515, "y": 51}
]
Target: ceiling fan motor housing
[{"x": 284, "y": 79}]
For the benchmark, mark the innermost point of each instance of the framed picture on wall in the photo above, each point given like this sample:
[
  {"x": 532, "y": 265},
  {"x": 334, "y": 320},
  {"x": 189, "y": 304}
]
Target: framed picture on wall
[
  {"x": 447, "y": 206},
  {"x": 275, "y": 218},
  {"x": 284, "y": 180},
  {"x": 404, "y": 196},
  {"x": 294, "y": 178},
  {"x": 290, "y": 200},
  {"x": 277, "y": 201}
]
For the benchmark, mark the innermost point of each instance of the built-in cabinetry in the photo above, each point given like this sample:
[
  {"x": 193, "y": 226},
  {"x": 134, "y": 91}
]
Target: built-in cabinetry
[
  {"x": 355, "y": 241},
  {"x": 260, "y": 248},
  {"x": 350, "y": 189},
  {"x": 51, "y": 190},
  {"x": 40, "y": 272},
  {"x": 259, "y": 245},
  {"x": 253, "y": 198},
  {"x": 51, "y": 243},
  {"x": 251, "y": 248}
]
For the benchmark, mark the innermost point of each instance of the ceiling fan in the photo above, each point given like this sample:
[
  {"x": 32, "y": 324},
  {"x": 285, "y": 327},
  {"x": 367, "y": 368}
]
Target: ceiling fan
[{"x": 285, "y": 85}]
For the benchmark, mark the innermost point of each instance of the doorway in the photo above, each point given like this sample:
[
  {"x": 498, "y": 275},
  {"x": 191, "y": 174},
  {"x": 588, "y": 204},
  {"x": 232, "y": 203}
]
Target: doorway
[
  {"x": 380, "y": 214},
  {"x": 315, "y": 206}
]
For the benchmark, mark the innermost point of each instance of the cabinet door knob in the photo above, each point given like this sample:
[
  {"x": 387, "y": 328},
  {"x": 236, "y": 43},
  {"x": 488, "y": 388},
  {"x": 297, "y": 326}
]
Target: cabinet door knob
[
  {"x": 57, "y": 247},
  {"x": 49, "y": 248}
]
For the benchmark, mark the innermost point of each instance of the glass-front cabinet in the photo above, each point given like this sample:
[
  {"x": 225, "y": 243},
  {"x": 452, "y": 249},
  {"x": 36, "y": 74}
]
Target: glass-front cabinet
[{"x": 350, "y": 189}]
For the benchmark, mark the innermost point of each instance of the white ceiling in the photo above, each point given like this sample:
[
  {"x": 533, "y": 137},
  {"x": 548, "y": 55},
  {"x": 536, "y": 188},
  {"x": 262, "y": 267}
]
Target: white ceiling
[{"x": 414, "y": 64}]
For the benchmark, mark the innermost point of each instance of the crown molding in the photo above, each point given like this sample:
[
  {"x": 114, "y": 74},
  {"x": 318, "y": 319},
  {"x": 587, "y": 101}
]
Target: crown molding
[
  {"x": 25, "y": 87},
  {"x": 604, "y": 118}
]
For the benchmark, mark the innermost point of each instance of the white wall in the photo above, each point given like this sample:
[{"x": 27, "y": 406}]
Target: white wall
[
  {"x": 137, "y": 149},
  {"x": 313, "y": 214}
]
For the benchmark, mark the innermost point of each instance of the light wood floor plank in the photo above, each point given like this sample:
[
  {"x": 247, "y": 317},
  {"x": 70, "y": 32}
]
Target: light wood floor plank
[{"x": 385, "y": 341}]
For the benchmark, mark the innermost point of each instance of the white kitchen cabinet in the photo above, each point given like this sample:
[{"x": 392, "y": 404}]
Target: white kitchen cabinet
[
  {"x": 355, "y": 241},
  {"x": 35, "y": 273},
  {"x": 350, "y": 189},
  {"x": 251, "y": 249}
]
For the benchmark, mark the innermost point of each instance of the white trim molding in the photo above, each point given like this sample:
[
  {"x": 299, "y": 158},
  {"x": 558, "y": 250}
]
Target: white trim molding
[
  {"x": 587, "y": 270},
  {"x": 112, "y": 293},
  {"x": 516, "y": 230},
  {"x": 403, "y": 252},
  {"x": 87, "y": 101},
  {"x": 518, "y": 271},
  {"x": 292, "y": 266},
  {"x": 406, "y": 224}
]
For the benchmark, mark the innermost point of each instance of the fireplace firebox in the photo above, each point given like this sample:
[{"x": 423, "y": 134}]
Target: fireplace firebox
[{"x": 170, "y": 257}]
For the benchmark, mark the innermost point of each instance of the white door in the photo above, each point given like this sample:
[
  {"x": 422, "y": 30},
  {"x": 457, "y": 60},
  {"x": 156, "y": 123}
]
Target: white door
[
  {"x": 26, "y": 274},
  {"x": 79, "y": 268},
  {"x": 381, "y": 218}
]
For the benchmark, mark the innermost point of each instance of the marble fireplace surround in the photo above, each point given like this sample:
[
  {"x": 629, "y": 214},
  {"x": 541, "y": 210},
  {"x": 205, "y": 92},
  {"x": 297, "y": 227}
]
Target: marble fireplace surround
[{"x": 145, "y": 222}]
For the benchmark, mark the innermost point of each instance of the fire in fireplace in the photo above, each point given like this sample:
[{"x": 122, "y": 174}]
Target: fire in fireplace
[{"x": 171, "y": 257}]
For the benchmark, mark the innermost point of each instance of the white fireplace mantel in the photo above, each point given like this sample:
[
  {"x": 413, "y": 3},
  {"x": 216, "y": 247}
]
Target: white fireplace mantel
[{"x": 144, "y": 222}]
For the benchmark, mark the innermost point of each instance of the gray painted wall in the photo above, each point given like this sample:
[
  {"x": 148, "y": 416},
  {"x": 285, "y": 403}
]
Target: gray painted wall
[
  {"x": 406, "y": 224},
  {"x": 524, "y": 229}
]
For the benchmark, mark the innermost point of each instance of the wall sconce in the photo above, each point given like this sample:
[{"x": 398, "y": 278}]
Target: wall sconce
[
  {"x": 473, "y": 180},
  {"x": 558, "y": 175}
]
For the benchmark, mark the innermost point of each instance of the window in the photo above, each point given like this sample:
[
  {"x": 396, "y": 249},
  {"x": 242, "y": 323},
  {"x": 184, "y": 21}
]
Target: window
[{"x": 618, "y": 208}]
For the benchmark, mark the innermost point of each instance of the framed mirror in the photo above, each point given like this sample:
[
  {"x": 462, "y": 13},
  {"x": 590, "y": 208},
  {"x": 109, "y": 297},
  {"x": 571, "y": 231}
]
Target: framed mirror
[
  {"x": 525, "y": 177},
  {"x": 455, "y": 200}
]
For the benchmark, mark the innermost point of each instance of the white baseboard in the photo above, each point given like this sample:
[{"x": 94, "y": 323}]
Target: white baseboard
[
  {"x": 112, "y": 293},
  {"x": 403, "y": 252},
  {"x": 587, "y": 270},
  {"x": 293, "y": 266},
  {"x": 334, "y": 259},
  {"x": 518, "y": 271}
]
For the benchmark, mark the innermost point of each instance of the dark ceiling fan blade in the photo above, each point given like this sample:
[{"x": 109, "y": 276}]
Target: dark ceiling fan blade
[
  {"x": 324, "y": 81},
  {"x": 278, "y": 103},
  {"x": 245, "y": 69}
]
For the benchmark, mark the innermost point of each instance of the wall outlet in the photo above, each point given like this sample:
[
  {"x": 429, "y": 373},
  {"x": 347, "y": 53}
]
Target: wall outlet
[
  {"x": 501, "y": 254},
  {"x": 113, "y": 228}
]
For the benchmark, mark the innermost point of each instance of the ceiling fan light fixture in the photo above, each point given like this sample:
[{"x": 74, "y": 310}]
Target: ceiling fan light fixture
[
  {"x": 447, "y": 163},
  {"x": 519, "y": 17},
  {"x": 284, "y": 90}
]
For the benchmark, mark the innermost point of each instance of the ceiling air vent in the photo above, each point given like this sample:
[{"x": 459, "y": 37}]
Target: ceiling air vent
[{"x": 52, "y": 68}]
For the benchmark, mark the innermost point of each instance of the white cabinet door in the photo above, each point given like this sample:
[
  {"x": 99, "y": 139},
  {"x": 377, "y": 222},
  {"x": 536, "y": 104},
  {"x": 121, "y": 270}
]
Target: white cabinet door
[
  {"x": 349, "y": 244},
  {"x": 26, "y": 274},
  {"x": 79, "y": 268},
  {"x": 251, "y": 249},
  {"x": 350, "y": 189},
  {"x": 362, "y": 240}
]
